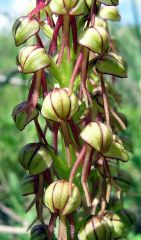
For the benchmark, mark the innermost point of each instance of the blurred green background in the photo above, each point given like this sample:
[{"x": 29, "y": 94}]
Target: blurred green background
[{"x": 13, "y": 91}]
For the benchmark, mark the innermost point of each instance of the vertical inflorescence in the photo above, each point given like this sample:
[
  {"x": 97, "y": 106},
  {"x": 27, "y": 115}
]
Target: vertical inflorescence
[{"x": 74, "y": 64}]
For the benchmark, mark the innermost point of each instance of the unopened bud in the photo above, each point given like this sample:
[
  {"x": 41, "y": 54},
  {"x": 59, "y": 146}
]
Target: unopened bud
[
  {"x": 32, "y": 58},
  {"x": 97, "y": 228},
  {"x": 21, "y": 115},
  {"x": 24, "y": 28},
  {"x": 36, "y": 158},
  {"x": 119, "y": 226},
  {"x": 112, "y": 64},
  {"x": 117, "y": 151},
  {"x": 57, "y": 198},
  {"x": 100, "y": 22},
  {"x": 110, "y": 13},
  {"x": 95, "y": 39},
  {"x": 109, "y": 2},
  {"x": 58, "y": 105},
  {"x": 98, "y": 135},
  {"x": 28, "y": 185},
  {"x": 71, "y": 7}
]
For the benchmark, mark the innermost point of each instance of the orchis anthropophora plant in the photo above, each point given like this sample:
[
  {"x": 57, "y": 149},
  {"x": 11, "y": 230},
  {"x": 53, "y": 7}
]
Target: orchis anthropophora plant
[{"x": 75, "y": 177}]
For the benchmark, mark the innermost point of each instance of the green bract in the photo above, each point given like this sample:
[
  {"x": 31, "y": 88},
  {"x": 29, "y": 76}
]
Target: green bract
[
  {"x": 24, "y": 28},
  {"x": 98, "y": 135},
  {"x": 110, "y": 13},
  {"x": 32, "y": 58},
  {"x": 117, "y": 151},
  {"x": 35, "y": 157},
  {"x": 109, "y": 2},
  {"x": 58, "y": 105},
  {"x": 97, "y": 228},
  {"x": 68, "y": 7},
  {"x": 112, "y": 64},
  {"x": 95, "y": 39},
  {"x": 57, "y": 197},
  {"x": 21, "y": 117}
]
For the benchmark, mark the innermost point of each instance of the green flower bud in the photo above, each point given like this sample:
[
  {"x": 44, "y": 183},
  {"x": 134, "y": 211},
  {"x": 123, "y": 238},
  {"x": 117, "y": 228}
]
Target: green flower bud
[
  {"x": 123, "y": 179},
  {"x": 98, "y": 135},
  {"x": 100, "y": 22},
  {"x": 58, "y": 105},
  {"x": 24, "y": 28},
  {"x": 38, "y": 233},
  {"x": 21, "y": 117},
  {"x": 117, "y": 151},
  {"x": 35, "y": 157},
  {"x": 28, "y": 185},
  {"x": 32, "y": 58},
  {"x": 57, "y": 197},
  {"x": 128, "y": 217},
  {"x": 110, "y": 13},
  {"x": 119, "y": 226},
  {"x": 97, "y": 228},
  {"x": 109, "y": 2},
  {"x": 96, "y": 39},
  {"x": 112, "y": 64},
  {"x": 68, "y": 7}
]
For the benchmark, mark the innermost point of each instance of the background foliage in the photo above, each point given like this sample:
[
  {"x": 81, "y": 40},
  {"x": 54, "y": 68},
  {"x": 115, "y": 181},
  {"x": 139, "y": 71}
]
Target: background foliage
[{"x": 11, "y": 140}]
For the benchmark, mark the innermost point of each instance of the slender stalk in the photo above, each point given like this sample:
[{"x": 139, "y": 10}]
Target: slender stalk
[
  {"x": 74, "y": 32},
  {"x": 62, "y": 234},
  {"x": 72, "y": 226},
  {"x": 53, "y": 44},
  {"x": 84, "y": 72},
  {"x": 51, "y": 225},
  {"x": 34, "y": 91},
  {"x": 65, "y": 39},
  {"x": 119, "y": 120},
  {"x": 75, "y": 72},
  {"x": 75, "y": 167},
  {"x": 85, "y": 174},
  {"x": 105, "y": 101},
  {"x": 40, "y": 132}
]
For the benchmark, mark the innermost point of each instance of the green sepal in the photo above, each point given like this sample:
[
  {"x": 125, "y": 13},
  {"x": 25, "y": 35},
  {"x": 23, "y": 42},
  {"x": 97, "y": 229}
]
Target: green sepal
[
  {"x": 21, "y": 117},
  {"x": 24, "y": 28},
  {"x": 47, "y": 30},
  {"x": 35, "y": 157},
  {"x": 95, "y": 39},
  {"x": 32, "y": 58},
  {"x": 27, "y": 185},
  {"x": 112, "y": 64},
  {"x": 68, "y": 7},
  {"x": 110, "y": 13},
  {"x": 98, "y": 135},
  {"x": 109, "y": 2},
  {"x": 117, "y": 151}
]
